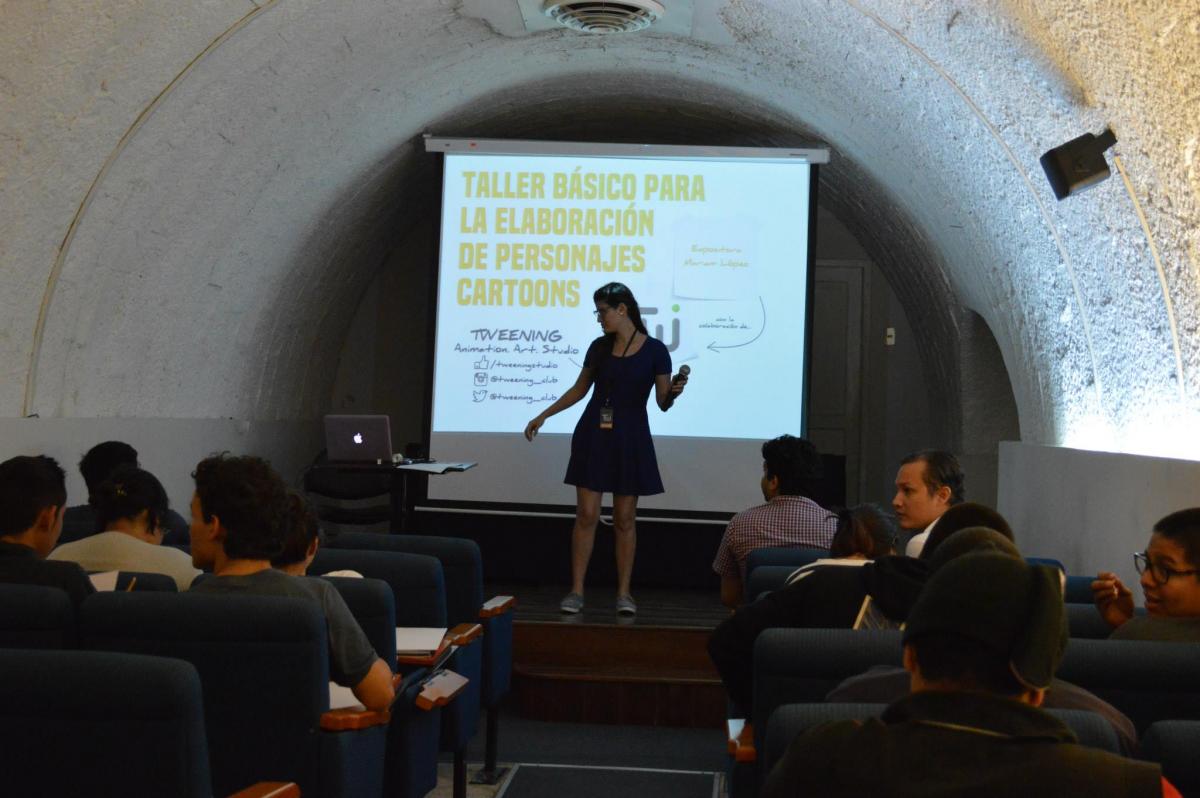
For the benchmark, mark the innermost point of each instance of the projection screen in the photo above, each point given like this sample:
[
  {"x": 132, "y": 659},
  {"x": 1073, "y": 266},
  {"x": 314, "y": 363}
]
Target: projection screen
[{"x": 714, "y": 243}]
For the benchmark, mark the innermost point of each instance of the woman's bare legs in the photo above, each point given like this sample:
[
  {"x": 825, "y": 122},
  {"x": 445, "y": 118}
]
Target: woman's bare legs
[
  {"x": 624, "y": 528},
  {"x": 583, "y": 536}
]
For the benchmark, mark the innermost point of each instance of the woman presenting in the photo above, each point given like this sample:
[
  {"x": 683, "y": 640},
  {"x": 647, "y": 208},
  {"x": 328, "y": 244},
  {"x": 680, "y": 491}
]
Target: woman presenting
[{"x": 611, "y": 449}]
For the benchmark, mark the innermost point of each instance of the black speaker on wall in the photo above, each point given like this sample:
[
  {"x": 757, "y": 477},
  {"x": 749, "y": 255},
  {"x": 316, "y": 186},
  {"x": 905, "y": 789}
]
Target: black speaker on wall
[{"x": 1078, "y": 164}]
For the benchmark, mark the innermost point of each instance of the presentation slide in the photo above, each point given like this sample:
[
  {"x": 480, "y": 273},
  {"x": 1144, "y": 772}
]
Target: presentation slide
[{"x": 715, "y": 250}]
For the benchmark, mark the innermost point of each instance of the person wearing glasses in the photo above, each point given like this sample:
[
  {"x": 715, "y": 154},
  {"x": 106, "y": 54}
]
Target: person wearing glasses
[
  {"x": 611, "y": 449},
  {"x": 1170, "y": 582}
]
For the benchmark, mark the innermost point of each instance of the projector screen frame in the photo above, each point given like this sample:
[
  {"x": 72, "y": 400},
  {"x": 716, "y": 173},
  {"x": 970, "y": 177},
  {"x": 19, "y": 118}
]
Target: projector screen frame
[
  {"x": 418, "y": 493},
  {"x": 443, "y": 145}
]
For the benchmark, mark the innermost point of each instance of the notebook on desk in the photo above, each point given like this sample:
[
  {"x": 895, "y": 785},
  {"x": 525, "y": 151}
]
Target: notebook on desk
[{"x": 358, "y": 439}]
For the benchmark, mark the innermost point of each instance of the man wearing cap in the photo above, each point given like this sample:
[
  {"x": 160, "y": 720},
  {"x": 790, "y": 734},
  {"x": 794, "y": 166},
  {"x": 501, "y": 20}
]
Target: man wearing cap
[{"x": 981, "y": 645}]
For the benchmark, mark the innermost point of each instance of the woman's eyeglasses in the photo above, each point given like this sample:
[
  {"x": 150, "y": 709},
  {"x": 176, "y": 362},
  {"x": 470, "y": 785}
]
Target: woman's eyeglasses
[
  {"x": 1160, "y": 573},
  {"x": 600, "y": 312}
]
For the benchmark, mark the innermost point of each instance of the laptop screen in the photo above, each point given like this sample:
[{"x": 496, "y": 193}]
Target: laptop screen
[{"x": 358, "y": 439}]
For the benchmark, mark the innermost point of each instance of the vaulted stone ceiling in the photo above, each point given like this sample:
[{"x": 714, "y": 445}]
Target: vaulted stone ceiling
[{"x": 193, "y": 196}]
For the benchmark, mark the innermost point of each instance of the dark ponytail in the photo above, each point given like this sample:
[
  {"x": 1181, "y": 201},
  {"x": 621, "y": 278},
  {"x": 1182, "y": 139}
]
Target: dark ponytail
[
  {"x": 613, "y": 294},
  {"x": 125, "y": 494}
]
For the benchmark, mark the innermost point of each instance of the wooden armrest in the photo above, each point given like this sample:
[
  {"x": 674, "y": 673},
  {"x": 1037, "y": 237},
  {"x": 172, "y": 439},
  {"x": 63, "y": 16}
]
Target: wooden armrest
[
  {"x": 741, "y": 740},
  {"x": 464, "y": 633},
  {"x": 269, "y": 789},
  {"x": 440, "y": 690},
  {"x": 351, "y": 718},
  {"x": 497, "y": 605}
]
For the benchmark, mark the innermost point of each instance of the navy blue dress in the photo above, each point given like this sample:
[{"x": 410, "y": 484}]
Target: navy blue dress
[{"x": 619, "y": 460}]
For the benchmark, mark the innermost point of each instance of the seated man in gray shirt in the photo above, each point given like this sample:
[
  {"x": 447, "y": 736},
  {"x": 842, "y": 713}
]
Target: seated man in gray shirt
[{"x": 238, "y": 513}]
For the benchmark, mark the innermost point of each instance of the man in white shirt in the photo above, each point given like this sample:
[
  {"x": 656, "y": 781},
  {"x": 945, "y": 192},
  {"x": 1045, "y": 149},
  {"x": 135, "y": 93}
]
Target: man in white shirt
[{"x": 929, "y": 483}]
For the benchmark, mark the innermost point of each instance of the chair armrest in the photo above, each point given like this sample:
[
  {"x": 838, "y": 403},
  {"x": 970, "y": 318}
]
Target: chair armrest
[
  {"x": 425, "y": 660},
  {"x": 741, "y": 740},
  {"x": 269, "y": 789},
  {"x": 440, "y": 690},
  {"x": 352, "y": 718},
  {"x": 464, "y": 633},
  {"x": 497, "y": 605}
]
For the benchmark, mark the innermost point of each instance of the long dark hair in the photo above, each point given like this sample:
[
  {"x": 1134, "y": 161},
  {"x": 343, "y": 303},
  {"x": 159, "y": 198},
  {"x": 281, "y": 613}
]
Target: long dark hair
[
  {"x": 126, "y": 494},
  {"x": 865, "y": 530},
  {"x": 613, "y": 294}
]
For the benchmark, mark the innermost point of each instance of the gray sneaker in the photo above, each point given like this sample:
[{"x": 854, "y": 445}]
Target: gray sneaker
[
  {"x": 573, "y": 603},
  {"x": 625, "y": 605}
]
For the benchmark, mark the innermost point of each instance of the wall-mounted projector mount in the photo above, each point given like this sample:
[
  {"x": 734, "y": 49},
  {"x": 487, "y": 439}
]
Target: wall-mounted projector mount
[{"x": 591, "y": 16}]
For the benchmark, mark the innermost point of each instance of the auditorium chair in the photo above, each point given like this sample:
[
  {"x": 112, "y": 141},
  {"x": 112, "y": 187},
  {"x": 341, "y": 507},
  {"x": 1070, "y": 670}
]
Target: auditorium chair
[
  {"x": 142, "y": 580},
  {"x": 790, "y": 720},
  {"x": 410, "y": 769},
  {"x": 419, "y": 589},
  {"x": 101, "y": 723},
  {"x": 793, "y": 556},
  {"x": 799, "y": 666},
  {"x": 1174, "y": 745},
  {"x": 462, "y": 566},
  {"x": 1085, "y": 621},
  {"x": 36, "y": 616},
  {"x": 1047, "y": 561},
  {"x": 1078, "y": 589},
  {"x": 765, "y": 579},
  {"x": 1147, "y": 680},
  {"x": 264, "y": 668},
  {"x": 802, "y": 665}
]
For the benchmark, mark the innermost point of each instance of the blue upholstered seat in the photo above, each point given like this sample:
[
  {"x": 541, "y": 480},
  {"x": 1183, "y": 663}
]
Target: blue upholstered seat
[
  {"x": 412, "y": 733},
  {"x": 1174, "y": 745},
  {"x": 462, "y": 566},
  {"x": 264, "y": 666},
  {"x": 1147, "y": 680},
  {"x": 1049, "y": 561},
  {"x": 418, "y": 591},
  {"x": 142, "y": 580},
  {"x": 764, "y": 579},
  {"x": 100, "y": 723},
  {"x": 794, "y": 556},
  {"x": 1078, "y": 590},
  {"x": 36, "y": 616}
]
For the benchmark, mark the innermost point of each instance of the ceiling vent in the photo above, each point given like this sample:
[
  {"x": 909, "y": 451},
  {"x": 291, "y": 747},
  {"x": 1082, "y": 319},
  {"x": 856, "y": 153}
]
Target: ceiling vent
[{"x": 590, "y": 16}]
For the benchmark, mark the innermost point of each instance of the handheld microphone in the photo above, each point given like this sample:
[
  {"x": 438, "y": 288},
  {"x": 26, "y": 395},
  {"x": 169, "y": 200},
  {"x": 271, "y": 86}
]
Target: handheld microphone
[{"x": 684, "y": 370}]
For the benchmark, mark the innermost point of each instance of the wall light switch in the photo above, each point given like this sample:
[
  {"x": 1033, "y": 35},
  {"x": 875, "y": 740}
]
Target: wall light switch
[{"x": 890, "y": 336}]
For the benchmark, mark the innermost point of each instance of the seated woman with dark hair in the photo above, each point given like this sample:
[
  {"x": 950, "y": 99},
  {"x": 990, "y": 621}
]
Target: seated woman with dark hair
[
  {"x": 131, "y": 510},
  {"x": 863, "y": 533},
  {"x": 1170, "y": 579}
]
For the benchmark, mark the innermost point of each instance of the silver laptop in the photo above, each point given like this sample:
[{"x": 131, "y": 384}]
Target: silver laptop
[{"x": 361, "y": 439}]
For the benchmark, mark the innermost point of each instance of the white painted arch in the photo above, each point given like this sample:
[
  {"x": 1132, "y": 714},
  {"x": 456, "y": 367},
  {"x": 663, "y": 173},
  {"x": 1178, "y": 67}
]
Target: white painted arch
[{"x": 194, "y": 196}]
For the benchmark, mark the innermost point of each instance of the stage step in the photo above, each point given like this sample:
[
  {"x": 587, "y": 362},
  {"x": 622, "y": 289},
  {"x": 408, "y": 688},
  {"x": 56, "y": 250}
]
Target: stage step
[{"x": 614, "y": 673}]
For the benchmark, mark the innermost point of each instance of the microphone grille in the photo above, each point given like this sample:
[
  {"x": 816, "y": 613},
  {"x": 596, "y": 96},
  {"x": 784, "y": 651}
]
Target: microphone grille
[{"x": 685, "y": 369}]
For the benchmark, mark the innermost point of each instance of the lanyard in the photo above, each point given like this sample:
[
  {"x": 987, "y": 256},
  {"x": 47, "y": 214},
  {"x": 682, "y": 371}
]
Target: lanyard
[{"x": 612, "y": 377}]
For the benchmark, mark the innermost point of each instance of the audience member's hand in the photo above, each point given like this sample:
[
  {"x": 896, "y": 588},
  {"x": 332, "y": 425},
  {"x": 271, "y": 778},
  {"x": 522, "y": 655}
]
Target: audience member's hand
[{"x": 1112, "y": 598}]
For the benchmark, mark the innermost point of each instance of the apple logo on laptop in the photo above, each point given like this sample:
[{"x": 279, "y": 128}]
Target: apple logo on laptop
[{"x": 358, "y": 437}]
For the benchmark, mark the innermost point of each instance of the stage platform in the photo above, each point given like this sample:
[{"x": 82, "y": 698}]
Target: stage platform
[{"x": 597, "y": 667}]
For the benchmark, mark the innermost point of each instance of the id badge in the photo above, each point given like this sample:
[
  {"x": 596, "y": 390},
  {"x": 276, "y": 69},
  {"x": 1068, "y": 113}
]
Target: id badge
[{"x": 606, "y": 417}]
